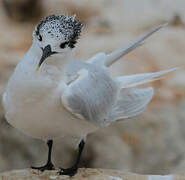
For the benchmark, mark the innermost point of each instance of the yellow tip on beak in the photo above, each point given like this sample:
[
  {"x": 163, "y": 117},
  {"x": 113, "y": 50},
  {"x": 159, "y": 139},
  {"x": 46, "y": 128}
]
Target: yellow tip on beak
[{"x": 37, "y": 68}]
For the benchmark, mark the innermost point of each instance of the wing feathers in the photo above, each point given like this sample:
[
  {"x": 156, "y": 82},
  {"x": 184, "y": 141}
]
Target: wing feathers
[
  {"x": 131, "y": 102},
  {"x": 117, "y": 54},
  {"x": 138, "y": 79}
]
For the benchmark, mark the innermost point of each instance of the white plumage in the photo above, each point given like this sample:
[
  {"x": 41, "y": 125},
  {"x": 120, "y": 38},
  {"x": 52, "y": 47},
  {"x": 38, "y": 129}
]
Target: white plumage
[{"x": 72, "y": 98}]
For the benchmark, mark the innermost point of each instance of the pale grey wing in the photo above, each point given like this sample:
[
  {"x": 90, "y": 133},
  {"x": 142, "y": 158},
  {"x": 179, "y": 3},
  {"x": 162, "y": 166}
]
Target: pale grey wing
[
  {"x": 133, "y": 101},
  {"x": 91, "y": 95},
  {"x": 139, "y": 79},
  {"x": 106, "y": 60},
  {"x": 130, "y": 103}
]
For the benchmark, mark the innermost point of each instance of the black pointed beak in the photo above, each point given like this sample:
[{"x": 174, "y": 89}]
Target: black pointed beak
[{"x": 46, "y": 52}]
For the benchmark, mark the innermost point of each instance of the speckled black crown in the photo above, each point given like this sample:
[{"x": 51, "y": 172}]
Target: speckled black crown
[{"x": 67, "y": 26}]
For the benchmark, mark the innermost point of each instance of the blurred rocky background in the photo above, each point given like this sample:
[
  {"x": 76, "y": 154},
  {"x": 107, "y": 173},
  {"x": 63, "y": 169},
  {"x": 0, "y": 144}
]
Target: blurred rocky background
[{"x": 153, "y": 143}]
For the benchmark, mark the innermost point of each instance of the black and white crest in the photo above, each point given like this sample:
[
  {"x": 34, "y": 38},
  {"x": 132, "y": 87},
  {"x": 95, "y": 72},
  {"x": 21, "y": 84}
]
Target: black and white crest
[{"x": 60, "y": 27}]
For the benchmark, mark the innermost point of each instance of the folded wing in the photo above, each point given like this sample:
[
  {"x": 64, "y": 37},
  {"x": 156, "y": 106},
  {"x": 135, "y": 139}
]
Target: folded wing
[
  {"x": 131, "y": 100},
  {"x": 91, "y": 95},
  {"x": 130, "y": 103}
]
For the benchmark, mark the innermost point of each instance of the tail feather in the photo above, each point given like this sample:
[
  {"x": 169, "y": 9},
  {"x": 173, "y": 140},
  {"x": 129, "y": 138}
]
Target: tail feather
[
  {"x": 139, "y": 79},
  {"x": 131, "y": 102},
  {"x": 117, "y": 54}
]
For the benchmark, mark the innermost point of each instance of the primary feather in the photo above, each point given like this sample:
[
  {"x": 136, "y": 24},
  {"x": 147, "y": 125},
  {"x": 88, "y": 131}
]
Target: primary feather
[
  {"x": 107, "y": 60},
  {"x": 133, "y": 101},
  {"x": 130, "y": 102},
  {"x": 139, "y": 79}
]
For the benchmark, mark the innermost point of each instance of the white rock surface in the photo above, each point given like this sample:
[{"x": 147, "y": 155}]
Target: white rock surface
[{"x": 85, "y": 174}]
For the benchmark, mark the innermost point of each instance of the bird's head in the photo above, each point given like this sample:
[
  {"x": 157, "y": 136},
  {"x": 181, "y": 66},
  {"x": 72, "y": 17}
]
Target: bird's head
[{"x": 57, "y": 34}]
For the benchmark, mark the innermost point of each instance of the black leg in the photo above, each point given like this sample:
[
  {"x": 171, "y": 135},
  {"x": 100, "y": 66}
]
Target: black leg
[
  {"x": 49, "y": 165},
  {"x": 73, "y": 170}
]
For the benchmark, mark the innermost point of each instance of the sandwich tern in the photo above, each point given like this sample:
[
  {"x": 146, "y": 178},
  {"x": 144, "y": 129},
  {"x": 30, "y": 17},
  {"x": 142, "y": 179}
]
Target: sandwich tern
[{"x": 50, "y": 95}]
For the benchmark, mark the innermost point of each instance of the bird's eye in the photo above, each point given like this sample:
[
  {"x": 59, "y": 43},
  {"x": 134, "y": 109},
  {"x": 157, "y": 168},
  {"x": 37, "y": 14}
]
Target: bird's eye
[
  {"x": 39, "y": 37},
  {"x": 63, "y": 45}
]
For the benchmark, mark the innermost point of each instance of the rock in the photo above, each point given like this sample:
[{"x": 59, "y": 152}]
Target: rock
[{"x": 84, "y": 174}]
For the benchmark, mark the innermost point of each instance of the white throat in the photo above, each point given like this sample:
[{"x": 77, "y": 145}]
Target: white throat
[{"x": 53, "y": 66}]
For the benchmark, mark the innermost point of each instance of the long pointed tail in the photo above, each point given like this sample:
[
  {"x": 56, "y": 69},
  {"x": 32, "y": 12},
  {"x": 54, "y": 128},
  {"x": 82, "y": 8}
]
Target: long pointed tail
[{"x": 117, "y": 54}]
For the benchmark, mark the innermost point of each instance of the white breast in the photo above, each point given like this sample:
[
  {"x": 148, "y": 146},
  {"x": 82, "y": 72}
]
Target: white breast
[{"x": 33, "y": 105}]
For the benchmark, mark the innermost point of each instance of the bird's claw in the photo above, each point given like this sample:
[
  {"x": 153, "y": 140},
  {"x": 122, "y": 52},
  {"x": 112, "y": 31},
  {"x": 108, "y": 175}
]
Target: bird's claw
[
  {"x": 70, "y": 171},
  {"x": 48, "y": 166}
]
